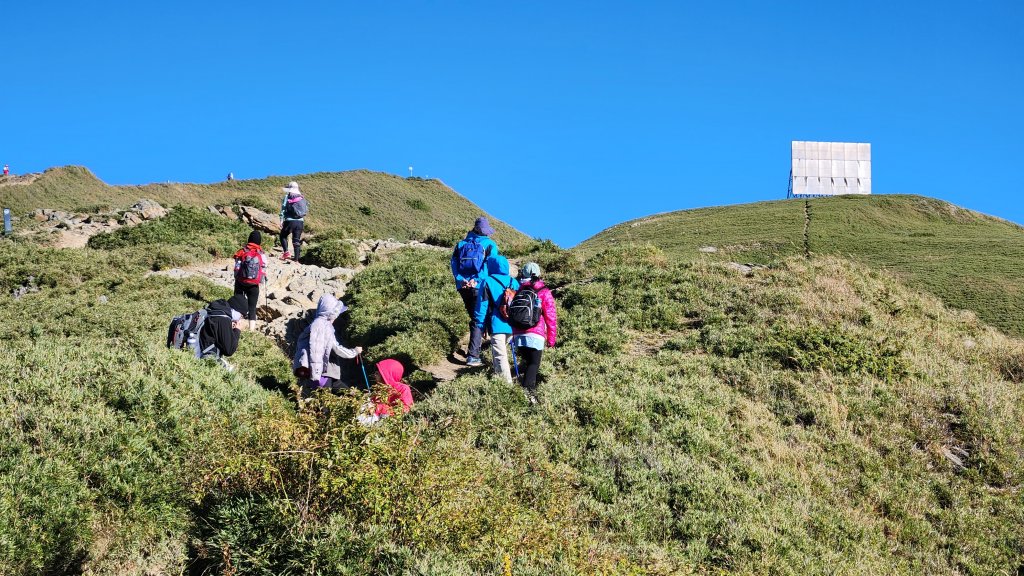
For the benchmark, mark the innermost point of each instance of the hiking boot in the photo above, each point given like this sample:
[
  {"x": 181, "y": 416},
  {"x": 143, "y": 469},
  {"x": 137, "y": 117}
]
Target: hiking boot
[
  {"x": 286, "y": 256},
  {"x": 473, "y": 361},
  {"x": 530, "y": 398}
]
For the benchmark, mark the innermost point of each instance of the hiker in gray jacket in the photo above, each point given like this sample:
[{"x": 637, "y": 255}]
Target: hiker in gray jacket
[
  {"x": 313, "y": 363},
  {"x": 293, "y": 212}
]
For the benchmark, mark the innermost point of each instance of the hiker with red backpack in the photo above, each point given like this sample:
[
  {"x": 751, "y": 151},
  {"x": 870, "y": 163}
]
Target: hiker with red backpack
[
  {"x": 496, "y": 293},
  {"x": 469, "y": 269},
  {"x": 534, "y": 321},
  {"x": 293, "y": 211},
  {"x": 250, "y": 272}
]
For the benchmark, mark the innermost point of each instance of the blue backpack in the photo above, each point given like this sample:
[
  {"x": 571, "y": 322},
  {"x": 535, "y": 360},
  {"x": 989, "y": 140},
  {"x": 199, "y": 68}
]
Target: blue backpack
[{"x": 471, "y": 255}]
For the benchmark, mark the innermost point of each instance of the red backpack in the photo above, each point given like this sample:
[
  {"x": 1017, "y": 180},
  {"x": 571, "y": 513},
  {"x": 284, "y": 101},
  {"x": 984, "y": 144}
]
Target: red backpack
[{"x": 249, "y": 266}]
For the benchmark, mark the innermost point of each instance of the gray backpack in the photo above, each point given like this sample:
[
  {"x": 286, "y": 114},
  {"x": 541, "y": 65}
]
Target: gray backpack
[
  {"x": 184, "y": 333},
  {"x": 297, "y": 209}
]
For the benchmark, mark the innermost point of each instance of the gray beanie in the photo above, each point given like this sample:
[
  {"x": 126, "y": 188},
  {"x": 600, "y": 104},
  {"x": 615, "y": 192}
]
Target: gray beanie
[{"x": 529, "y": 270}]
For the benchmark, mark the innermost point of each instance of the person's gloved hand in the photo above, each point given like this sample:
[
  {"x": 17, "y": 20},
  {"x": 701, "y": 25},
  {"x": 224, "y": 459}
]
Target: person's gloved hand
[{"x": 323, "y": 381}]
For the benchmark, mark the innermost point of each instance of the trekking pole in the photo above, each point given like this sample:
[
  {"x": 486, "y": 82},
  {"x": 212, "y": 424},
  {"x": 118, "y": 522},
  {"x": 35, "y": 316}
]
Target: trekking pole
[
  {"x": 515, "y": 361},
  {"x": 359, "y": 360}
]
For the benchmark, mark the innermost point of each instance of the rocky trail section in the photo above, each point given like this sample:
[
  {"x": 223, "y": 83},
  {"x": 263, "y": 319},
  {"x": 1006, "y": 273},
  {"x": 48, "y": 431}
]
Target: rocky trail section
[
  {"x": 19, "y": 179},
  {"x": 289, "y": 297},
  {"x": 73, "y": 230}
]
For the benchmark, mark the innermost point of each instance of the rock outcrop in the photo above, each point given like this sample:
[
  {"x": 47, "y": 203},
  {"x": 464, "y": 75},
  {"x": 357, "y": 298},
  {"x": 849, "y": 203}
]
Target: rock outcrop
[
  {"x": 254, "y": 217},
  {"x": 75, "y": 229},
  {"x": 289, "y": 297}
]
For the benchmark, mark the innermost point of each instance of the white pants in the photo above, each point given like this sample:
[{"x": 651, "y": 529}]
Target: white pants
[{"x": 499, "y": 356}]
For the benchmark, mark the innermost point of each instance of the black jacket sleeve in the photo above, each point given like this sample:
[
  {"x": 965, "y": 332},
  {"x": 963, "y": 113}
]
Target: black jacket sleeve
[
  {"x": 227, "y": 337},
  {"x": 218, "y": 331}
]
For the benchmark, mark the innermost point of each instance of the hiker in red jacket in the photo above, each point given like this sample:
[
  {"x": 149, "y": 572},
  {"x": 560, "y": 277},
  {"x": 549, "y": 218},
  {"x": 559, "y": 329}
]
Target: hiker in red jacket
[
  {"x": 389, "y": 373},
  {"x": 529, "y": 342},
  {"x": 250, "y": 272}
]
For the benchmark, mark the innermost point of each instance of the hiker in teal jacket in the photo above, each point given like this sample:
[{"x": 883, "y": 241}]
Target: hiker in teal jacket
[
  {"x": 469, "y": 269},
  {"x": 487, "y": 312}
]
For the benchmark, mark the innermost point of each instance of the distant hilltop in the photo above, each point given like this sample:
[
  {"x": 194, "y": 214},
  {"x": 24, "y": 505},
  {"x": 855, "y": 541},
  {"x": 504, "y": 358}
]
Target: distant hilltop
[
  {"x": 970, "y": 260},
  {"x": 358, "y": 202}
]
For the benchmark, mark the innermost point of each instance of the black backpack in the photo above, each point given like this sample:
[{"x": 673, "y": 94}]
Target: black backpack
[{"x": 524, "y": 308}]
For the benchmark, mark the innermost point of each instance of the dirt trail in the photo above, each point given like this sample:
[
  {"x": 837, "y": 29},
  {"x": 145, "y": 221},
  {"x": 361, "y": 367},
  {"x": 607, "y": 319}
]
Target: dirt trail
[{"x": 453, "y": 365}]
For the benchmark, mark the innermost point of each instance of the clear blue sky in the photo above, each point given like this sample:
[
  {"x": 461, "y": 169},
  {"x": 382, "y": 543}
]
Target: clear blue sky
[{"x": 598, "y": 111}]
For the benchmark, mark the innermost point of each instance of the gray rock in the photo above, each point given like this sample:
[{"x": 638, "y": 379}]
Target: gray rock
[
  {"x": 149, "y": 209},
  {"x": 741, "y": 268},
  {"x": 707, "y": 249},
  {"x": 259, "y": 219},
  {"x": 302, "y": 286}
]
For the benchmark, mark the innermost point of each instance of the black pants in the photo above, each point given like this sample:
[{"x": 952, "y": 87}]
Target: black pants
[
  {"x": 476, "y": 333},
  {"x": 292, "y": 228},
  {"x": 252, "y": 295},
  {"x": 529, "y": 363}
]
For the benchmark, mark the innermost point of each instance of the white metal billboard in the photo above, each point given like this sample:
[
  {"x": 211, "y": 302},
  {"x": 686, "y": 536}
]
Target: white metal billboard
[{"x": 830, "y": 168}]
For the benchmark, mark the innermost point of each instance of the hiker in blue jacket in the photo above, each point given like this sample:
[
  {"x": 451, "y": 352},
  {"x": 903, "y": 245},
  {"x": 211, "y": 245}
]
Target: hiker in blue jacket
[
  {"x": 490, "y": 315},
  {"x": 469, "y": 270}
]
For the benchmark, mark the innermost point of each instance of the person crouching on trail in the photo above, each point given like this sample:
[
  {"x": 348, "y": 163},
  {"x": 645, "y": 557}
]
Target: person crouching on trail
[
  {"x": 469, "y": 269},
  {"x": 250, "y": 272},
  {"x": 534, "y": 322},
  {"x": 313, "y": 362},
  {"x": 496, "y": 292},
  {"x": 293, "y": 210},
  {"x": 222, "y": 329},
  {"x": 388, "y": 374}
]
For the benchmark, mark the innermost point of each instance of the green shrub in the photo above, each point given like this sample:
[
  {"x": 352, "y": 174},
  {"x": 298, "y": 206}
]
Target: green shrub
[
  {"x": 418, "y": 204},
  {"x": 834, "y": 349},
  {"x": 400, "y": 486},
  {"x": 340, "y": 233},
  {"x": 257, "y": 202},
  {"x": 182, "y": 227},
  {"x": 406, "y": 305},
  {"x": 366, "y": 211},
  {"x": 446, "y": 238},
  {"x": 332, "y": 254},
  {"x": 110, "y": 431}
]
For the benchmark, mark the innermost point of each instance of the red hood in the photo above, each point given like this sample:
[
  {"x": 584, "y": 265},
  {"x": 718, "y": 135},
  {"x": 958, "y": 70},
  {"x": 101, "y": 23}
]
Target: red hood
[{"x": 391, "y": 371}]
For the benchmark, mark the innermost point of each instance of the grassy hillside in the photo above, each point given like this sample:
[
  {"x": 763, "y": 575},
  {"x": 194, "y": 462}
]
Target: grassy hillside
[
  {"x": 814, "y": 417},
  {"x": 693, "y": 420},
  {"x": 106, "y": 434},
  {"x": 970, "y": 260},
  {"x": 358, "y": 203}
]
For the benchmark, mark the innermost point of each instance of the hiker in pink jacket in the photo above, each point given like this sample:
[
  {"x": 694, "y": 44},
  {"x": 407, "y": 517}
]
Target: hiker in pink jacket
[{"x": 529, "y": 342}]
